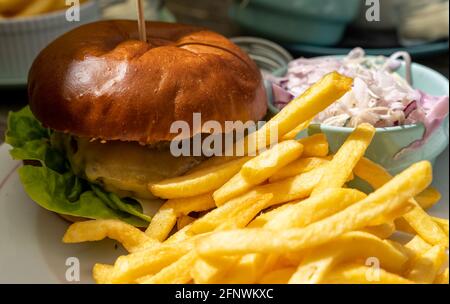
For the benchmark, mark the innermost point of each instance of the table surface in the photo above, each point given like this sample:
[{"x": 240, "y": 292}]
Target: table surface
[{"x": 15, "y": 98}]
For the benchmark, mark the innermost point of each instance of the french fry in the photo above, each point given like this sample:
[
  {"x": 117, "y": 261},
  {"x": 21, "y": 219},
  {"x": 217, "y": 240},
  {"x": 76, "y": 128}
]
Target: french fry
[
  {"x": 179, "y": 236},
  {"x": 286, "y": 190},
  {"x": 294, "y": 132},
  {"x": 418, "y": 246},
  {"x": 426, "y": 266},
  {"x": 346, "y": 158},
  {"x": 297, "y": 215},
  {"x": 183, "y": 221},
  {"x": 11, "y": 7},
  {"x": 246, "y": 215},
  {"x": 417, "y": 218},
  {"x": 315, "y": 145},
  {"x": 262, "y": 219},
  {"x": 199, "y": 182},
  {"x": 385, "y": 204},
  {"x": 297, "y": 167},
  {"x": 402, "y": 225},
  {"x": 443, "y": 223},
  {"x": 162, "y": 223},
  {"x": 348, "y": 247},
  {"x": 127, "y": 269},
  {"x": 198, "y": 203},
  {"x": 258, "y": 169},
  {"x": 428, "y": 198},
  {"x": 375, "y": 175},
  {"x": 359, "y": 274},
  {"x": 102, "y": 273},
  {"x": 246, "y": 271},
  {"x": 318, "y": 97},
  {"x": 424, "y": 225},
  {"x": 36, "y": 8},
  {"x": 382, "y": 231},
  {"x": 314, "y": 209},
  {"x": 261, "y": 167},
  {"x": 95, "y": 230},
  {"x": 178, "y": 272},
  {"x": 278, "y": 276},
  {"x": 165, "y": 219},
  {"x": 230, "y": 211},
  {"x": 211, "y": 271},
  {"x": 442, "y": 278}
]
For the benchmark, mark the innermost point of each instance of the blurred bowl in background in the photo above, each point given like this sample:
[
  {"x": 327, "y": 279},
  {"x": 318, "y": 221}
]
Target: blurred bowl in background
[
  {"x": 270, "y": 57},
  {"x": 319, "y": 22},
  {"x": 23, "y": 38}
]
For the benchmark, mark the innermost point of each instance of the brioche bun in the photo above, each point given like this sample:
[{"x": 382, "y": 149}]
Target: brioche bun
[{"x": 100, "y": 81}]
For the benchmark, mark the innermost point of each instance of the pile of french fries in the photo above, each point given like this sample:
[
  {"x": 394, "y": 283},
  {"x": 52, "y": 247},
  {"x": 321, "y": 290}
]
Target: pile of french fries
[
  {"x": 26, "y": 8},
  {"x": 285, "y": 215}
]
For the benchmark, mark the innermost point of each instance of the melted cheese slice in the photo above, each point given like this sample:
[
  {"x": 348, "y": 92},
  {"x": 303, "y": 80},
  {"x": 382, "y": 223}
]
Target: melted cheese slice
[{"x": 127, "y": 168}]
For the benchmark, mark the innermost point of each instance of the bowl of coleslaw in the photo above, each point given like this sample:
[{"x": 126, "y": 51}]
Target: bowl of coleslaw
[{"x": 407, "y": 102}]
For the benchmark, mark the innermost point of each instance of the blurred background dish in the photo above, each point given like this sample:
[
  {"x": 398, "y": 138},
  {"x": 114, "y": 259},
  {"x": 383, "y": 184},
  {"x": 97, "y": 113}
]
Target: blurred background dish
[
  {"x": 270, "y": 57},
  {"x": 319, "y": 22},
  {"x": 24, "y": 34},
  {"x": 126, "y": 9}
]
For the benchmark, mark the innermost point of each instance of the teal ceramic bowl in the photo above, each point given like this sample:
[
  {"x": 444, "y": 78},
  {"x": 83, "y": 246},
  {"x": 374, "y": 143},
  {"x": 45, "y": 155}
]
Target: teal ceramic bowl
[
  {"x": 318, "y": 22},
  {"x": 387, "y": 142}
]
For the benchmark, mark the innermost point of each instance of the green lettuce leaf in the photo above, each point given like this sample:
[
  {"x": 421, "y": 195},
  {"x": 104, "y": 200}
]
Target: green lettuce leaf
[{"x": 53, "y": 185}]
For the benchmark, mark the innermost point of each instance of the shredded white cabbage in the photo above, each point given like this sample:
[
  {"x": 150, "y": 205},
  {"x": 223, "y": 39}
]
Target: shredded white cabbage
[{"x": 379, "y": 95}]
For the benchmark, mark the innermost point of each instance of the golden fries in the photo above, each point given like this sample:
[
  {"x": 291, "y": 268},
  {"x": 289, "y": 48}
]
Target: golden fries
[
  {"x": 265, "y": 164},
  {"x": 199, "y": 182},
  {"x": 417, "y": 218},
  {"x": 176, "y": 273},
  {"x": 129, "y": 236},
  {"x": 12, "y": 7},
  {"x": 258, "y": 169},
  {"x": 167, "y": 215},
  {"x": 347, "y": 248},
  {"x": 293, "y": 134},
  {"x": 385, "y": 204},
  {"x": 230, "y": 210},
  {"x": 427, "y": 265},
  {"x": 315, "y": 145},
  {"x": 27, "y": 8},
  {"x": 297, "y": 167},
  {"x": 442, "y": 278},
  {"x": 359, "y": 274},
  {"x": 278, "y": 276},
  {"x": 343, "y": 162},
  {"x": 428, "y": 198},
  {"x": 285, "y": 215}
]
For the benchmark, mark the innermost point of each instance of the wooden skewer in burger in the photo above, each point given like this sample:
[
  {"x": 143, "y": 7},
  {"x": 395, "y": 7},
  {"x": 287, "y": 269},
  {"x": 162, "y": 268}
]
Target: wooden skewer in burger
[{"x": 141, "y": 21}]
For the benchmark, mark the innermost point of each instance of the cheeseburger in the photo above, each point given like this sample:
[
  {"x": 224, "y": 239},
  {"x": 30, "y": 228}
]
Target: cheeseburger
[{"x": 97, "y": 130}]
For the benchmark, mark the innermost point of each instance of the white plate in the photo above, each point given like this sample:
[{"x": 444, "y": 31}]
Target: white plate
[{"x": 31, "y": 250}]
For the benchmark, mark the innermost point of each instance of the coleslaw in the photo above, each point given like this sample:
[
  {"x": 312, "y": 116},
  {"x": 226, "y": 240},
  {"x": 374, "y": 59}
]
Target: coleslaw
[{"x": 379, "y": 96}]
